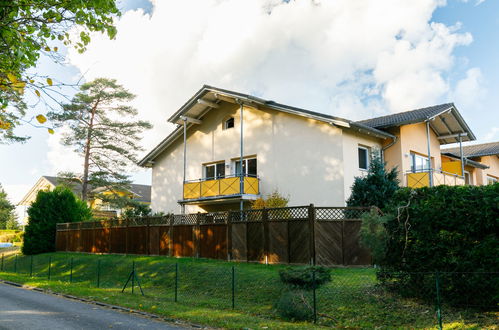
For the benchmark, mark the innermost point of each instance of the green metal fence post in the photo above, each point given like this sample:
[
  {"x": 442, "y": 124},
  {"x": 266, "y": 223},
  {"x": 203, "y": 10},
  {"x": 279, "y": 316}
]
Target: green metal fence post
[
  {"x": 71, "y": 270},
  {"x": 50, "y": 267},
  {"x": 15, "y": 263},
  {"x": 439, "y": 311},
  {"x": 31, "y": 266},
  {"x": 233, "y": 287},
  {"x": 133, "y": 275},
  {"x": 176, "y": 281},
  {"x": 98, "y": 273},
  {"x": 314, "y": 296}
]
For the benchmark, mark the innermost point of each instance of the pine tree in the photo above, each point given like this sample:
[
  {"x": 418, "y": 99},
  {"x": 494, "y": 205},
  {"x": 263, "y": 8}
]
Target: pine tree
[
  {"x": 7, "y": 214},
  {"x": 376, "y": 188},
  {"x": 103, "y": 131}
]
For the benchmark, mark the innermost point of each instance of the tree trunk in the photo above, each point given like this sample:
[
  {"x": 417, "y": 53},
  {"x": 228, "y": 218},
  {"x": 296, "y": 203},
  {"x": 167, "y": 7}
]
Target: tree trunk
[{"x": 86, "y": 163}]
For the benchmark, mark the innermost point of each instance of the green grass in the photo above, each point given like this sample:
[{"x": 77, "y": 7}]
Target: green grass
[{"x": 353, "y": 298}]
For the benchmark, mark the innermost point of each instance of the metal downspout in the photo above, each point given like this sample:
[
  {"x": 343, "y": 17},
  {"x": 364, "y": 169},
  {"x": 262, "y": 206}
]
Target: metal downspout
[
  {"x": 462, "y": 156},
  {"x": 185, "y": 162},
  {"x": 386, "y": 147},
  {"x": 241, "y": 178},
  {"x": 429, "y": 152}
]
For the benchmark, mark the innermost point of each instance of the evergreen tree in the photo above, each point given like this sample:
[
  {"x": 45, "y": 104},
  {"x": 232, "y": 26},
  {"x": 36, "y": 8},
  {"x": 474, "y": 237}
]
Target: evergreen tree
[
  {"x": 376, "y": 188},
  {"x": 7, "y": 214},
  {"x": 104, "y": 132},
  {"x": 51, "y": 207}
]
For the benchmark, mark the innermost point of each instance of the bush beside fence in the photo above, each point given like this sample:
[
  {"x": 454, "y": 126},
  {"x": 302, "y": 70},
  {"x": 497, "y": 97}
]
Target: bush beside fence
[{"x": 292, "y": 235}]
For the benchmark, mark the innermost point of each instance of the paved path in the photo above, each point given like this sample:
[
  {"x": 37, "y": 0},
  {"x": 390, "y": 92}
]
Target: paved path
[{"x": 27, "y": 309}]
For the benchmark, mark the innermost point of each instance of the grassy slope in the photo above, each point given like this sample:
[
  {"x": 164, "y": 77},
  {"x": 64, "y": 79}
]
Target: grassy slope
[{"x": 352, "y": 299}]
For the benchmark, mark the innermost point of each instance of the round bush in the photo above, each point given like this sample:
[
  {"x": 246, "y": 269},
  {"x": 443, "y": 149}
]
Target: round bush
[{"x": 294, "y": 305}]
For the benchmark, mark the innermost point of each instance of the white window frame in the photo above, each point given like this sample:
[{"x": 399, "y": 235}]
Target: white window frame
[
  {"x": 246, "y": 167},
  {"x": 368, "y": 154},
  {"x": 216, "y": 176},
  {"x": 414, "y": 168}
]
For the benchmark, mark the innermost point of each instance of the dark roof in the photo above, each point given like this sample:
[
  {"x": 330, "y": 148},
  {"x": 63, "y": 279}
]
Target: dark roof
[
  {"x": 142, "y": 191},
  {"x": 475, "y": 150},
  {"x": 407, "y": 117}
]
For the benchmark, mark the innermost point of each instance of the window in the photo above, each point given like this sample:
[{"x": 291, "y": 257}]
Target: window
[
  {"x": 419, "y": 163},
  {"x": 491, "y": 180},
  {"x": 214, "y": 171},
  {"x": 249, "y": 167},
  {"x": 363, "y": 158},
  {"x": 229, "y": 123}
]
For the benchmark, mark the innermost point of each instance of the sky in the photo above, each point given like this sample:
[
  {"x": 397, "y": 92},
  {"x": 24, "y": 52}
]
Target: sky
[{"x": 350, "y": 58}]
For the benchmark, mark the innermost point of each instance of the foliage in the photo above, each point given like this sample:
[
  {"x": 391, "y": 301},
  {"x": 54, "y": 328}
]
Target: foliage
[
  {"x": 446, "y": 229},
  {"x": 103, "y": 131},
  {"x": 273, "y": 200},
  {"x": 294, "y": 306},
  {"x": 136, "y": 210},
  {"x": 30, "y": 28},
  {"x": 303, "y": 277},
  {"x": 50, "y": 208},
  {"x": 373, "y": 234},
  {"x": 11, "y": 236},
  {"x": 7, "y": 211},
  {"x": 377, "y": 187}
]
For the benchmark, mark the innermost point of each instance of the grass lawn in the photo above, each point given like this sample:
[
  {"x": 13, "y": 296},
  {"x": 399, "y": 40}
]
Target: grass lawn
[{"x": 351, "y": 300}]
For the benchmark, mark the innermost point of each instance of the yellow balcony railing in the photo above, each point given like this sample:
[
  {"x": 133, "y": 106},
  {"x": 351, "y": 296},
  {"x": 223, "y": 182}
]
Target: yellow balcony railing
[
  {"x": 226, "y": 186},
  {"x": 422, "y": 178}
]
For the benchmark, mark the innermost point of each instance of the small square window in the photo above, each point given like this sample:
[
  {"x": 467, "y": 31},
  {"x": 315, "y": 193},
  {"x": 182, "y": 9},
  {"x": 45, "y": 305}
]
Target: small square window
[
  {"x": 229, "y": 123},
  {"x": 363, "y": 158}
]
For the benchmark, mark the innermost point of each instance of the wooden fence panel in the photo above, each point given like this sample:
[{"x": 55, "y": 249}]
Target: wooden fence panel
[
  {"x": 255, "y": 241},
  {"x": 213, "y": 241},
  {"x": 137, "y": 236},
  {"x": 164, "y": 240},
  {"x": 87, "y": 236},
  {"x": 239, "y": 242},
  {"x": 278, "y": 242},
  {"x": 183, "y": 241},
  {"x": 354, "y": 253},
  {"x": 299, "y": 242},
  {"x": 61, "y": 243},
  {"x": 101, "y": 244},
  {"x": 118, "y": 240},
  {"x": 329, "y": 243},
  {"x": 154, "y": 240}
]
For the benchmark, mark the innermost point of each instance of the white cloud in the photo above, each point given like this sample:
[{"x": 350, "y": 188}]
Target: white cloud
[
  {"x": 61, "y": 158},
  {"x": 469, "y": 90},
  {"x": 492, "y": 135},
  {"x": 349, "y": 58}
]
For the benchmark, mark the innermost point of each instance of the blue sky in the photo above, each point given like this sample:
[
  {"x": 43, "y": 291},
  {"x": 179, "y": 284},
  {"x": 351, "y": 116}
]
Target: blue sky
[{"x": 336, "y": 58}]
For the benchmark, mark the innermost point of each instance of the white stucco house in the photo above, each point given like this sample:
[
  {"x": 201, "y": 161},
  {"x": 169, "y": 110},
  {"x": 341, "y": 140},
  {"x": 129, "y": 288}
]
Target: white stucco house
[{"x": 309, "y": 157}]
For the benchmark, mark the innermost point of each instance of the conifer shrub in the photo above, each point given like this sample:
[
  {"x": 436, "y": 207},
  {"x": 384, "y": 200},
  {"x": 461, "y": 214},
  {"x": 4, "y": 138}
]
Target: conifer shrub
[{"x": 50, "y": 208}]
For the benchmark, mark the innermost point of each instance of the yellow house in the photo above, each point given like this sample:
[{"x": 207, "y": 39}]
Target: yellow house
[
  {"x": 230, "y": 148},
  {"x": 138, "y": 192}
]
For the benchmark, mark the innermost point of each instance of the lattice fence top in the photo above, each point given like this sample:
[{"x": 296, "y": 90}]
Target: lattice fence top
[{"x": 298, "y": 213}]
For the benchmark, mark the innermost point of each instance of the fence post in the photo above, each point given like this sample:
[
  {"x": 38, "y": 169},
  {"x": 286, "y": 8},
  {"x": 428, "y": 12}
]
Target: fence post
[
  {"x": 439, "y": 311},
  {"x": 50, "y": 267},
  {"x": 15, "y": 263},
  {"x": 71, "y": 270},
  {"x": 98, "y": 273},
  {"x": 176, "y": 281},
  {"x": 229, "y": 236},
  {"x": 311, "y": 222},
  {"x": 314, "y": 297},
  {"x": 31, "y": 266},
  {"x": 2, "y": 262},
  {"x": 265, "y": 221},
  {"x": 233, "y": 286}
]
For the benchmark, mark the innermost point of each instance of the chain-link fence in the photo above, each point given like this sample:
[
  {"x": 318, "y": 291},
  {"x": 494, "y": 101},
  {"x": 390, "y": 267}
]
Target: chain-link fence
[{"x": 355, "y": 297}]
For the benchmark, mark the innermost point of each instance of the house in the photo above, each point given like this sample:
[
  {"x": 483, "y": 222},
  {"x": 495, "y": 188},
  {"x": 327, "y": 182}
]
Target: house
[
  {"x": 229, "y": 149},
  {"x": 138, "y": 192}
]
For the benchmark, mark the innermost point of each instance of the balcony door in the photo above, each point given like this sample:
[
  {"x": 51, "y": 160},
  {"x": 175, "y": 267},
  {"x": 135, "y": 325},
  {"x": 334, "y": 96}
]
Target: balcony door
[
  {"x": 419, "y": 163},
  {"x": 249, "y": 167},
  {"x": 214, "y": 171}
]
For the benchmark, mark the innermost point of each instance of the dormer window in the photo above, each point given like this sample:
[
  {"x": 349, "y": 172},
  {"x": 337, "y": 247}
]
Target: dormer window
[{"x": 229, "y": 123}]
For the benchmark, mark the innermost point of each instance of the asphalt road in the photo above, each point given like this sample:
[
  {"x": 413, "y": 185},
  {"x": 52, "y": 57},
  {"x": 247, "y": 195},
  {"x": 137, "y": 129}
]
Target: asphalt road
[{"x": 27, "y": 309}]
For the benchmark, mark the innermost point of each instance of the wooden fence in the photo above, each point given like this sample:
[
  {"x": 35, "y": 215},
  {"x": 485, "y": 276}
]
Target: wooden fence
[{"x": 293, "y": 235}]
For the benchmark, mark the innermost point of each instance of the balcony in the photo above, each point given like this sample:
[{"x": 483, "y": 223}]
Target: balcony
[
  {"x": 229, "y": 186},
  {"x": 421, "y": 178}
]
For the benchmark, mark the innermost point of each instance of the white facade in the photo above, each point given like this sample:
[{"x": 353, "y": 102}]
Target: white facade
[{"x": 307, "y": 160}]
